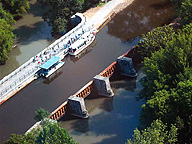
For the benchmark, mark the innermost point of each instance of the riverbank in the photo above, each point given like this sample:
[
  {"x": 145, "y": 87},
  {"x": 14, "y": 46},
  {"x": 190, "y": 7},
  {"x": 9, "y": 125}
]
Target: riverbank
[
  {"x": 50, "y": 93},
  {"x": 96, "y": 14},
  {"x": 9, "y": 84}
]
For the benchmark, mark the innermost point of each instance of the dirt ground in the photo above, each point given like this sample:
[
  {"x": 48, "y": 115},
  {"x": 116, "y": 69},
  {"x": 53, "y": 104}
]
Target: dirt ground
[{"x": 122, "y": 5}]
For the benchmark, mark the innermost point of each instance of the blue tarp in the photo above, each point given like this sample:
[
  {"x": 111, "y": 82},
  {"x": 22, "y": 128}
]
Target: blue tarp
[{"x": 50, "y": 62}]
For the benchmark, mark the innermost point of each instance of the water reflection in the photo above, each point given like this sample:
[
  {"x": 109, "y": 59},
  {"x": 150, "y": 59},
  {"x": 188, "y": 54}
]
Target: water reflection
[
  {"x": 33, "y": 35},
  {"x": 27, "y": 34},
  {"x": 84, "y": 52},
  {"x": 112, "y": 120},
  {"x": 53, "y": 77},
  {"x": 140, "y": 17},
  {"x": 12, "y": 63}
]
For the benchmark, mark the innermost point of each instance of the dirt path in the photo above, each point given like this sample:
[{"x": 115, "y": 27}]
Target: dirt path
[{"x": 122, "y": 4}]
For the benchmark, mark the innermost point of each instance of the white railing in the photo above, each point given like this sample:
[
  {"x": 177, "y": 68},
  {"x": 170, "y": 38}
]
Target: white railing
[{"x": 10, "y": 83}]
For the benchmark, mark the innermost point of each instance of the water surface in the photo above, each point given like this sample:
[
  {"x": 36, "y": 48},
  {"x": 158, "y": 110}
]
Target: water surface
[
  {"x": 33, "y": 35},
  {"x": 112, "y": 120}
]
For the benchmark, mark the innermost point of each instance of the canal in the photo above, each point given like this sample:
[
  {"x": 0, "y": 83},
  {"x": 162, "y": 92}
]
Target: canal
[{"x": 112, "y": 120}]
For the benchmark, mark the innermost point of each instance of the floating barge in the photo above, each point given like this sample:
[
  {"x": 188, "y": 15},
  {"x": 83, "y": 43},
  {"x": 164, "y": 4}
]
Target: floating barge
[
  {"x": 82, "y": 43},
  {"x": 51, "y": 66}
]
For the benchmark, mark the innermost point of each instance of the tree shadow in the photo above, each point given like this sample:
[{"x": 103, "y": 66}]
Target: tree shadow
[
  {"x": 36, "y": 9},
  {"x": 162, "y": 5},
  {"x": 11, "y": 64},
  {"x": 139, "y": 18},
  {"x": 35, "y": 32}
]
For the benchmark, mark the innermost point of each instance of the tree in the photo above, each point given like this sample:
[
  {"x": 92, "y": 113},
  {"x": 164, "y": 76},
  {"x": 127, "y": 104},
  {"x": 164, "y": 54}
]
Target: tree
[
  {"x": 16, "y": 7},
  {"x": 53, "y": 133},
  {"x": 58, "y": 13},
  {"x": 172, "y": 106},
  {"x": 155, "y": 40},
  {"x": 6, "y": 15},
  {"x": 167, "y": 86},
  {"x": 166, "y": 67},
  {"x": 41, "y": 114},
  {"x": 22, "y": 139},
  {"x": 6, "y": 40},
  {"x": 184, "y": 11},
  {"x": 48, "y": 132},
  {"x": 157, "y": 133}
]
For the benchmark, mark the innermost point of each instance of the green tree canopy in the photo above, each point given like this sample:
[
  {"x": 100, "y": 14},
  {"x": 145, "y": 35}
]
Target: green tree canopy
[
  {"x": 157, "y": 133},
  {"x": 58, "y": 13},
  {"x": 6, "y": 40},
  {"x": 184, "y": 11},
  {"x": 166, "y": 67},
  {"x": 170, "y": 106},
  {"x": 6, "y": 15},
  {"x": 155, "y": 40},
  {"x": 50, "y": 133},
  {"x": 53, "y": 133},
  {"x": 22, "y": 139},
  {"x": 41, "y": 114},
  {"x": 167, "y": 85},
  {"x": 16, "y": 7}
]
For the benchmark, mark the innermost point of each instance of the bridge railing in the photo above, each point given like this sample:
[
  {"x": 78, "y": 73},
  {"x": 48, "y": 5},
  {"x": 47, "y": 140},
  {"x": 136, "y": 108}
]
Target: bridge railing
[{"x": 29, "y": 68}]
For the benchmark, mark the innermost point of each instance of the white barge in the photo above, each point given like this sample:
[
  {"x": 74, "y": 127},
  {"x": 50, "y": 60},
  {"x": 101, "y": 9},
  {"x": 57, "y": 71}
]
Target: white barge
[
  {"x": 82, "y": 43},
  {"x": 51, "y": 66}
]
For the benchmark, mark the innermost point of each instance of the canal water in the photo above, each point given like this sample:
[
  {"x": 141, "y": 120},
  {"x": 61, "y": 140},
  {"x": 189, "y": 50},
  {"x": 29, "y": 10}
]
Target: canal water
[
  {"x": 112, "y": 120},
  {"x": 33, "y": 35}
]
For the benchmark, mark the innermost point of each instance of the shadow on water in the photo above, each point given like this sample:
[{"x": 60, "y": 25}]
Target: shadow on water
[
  {"x": 35, "y": 9},
  {"x": 33, "y": 35},
  {"x": 84, "y": 52},
  {"x": 53, "y": 77},
  {"x": 35, "y": 32},
  {"x": 162, "y": 5},
  {"x": 112, "y": 120},
  {"x": 12, "y": 63},
  {"x": 140, "y": 17}
]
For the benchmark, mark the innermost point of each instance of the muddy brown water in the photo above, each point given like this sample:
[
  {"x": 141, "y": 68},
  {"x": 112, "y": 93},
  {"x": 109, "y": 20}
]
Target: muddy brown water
[{"x": 111, "y": 120}]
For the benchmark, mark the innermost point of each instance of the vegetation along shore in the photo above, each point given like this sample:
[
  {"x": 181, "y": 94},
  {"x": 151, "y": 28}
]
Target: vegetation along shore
[{"x": 166, "y": 54}]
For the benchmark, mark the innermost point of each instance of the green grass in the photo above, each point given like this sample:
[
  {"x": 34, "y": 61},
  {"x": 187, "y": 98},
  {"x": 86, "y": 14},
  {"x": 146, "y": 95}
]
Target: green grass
[{"x": 101, "y": 4}]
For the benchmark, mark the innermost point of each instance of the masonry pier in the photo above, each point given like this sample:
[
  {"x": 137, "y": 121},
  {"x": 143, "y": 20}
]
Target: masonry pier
[
  {"x": 126, "y": 66},
  {"x": 103, "y": 86},
  {"x": 77, "y": 107}
]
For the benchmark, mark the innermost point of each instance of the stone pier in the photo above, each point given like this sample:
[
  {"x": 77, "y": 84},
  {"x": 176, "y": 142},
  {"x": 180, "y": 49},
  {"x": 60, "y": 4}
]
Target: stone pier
[
  {"x": 103, "y": 86},
  {"x": 126, "y": 66},
  {"x": 77, "y": 107}
]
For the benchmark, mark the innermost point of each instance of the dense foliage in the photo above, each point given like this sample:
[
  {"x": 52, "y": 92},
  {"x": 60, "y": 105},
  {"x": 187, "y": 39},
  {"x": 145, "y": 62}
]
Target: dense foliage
[
  {"x": 184, "y": 11},
  {"x": 169, "y": 65},
  {"x": 41, "y": 114},
  {"x": 6, "y": 15},
  {"x": 22, "y": 139},
  {"x": 53, "y": 133},
  {"x": 167, "y": 85},
  {"x": 58, "y": 13},
  {"x": 49, "y": 132},
  {"x": 155, "y": 40},
  {"x": 6, "y": 40},
  {"x": 9, "y": 9},
  {"x": 157, "y": 133},
  {"x": 16, "y": 7}
]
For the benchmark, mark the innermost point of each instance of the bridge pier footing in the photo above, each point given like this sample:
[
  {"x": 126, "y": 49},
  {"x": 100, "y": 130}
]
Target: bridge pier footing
[
  {"x": 103, "y": 86},
  {"x": 77, "y": 107},
  {"x": 126, "y": 66}
]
